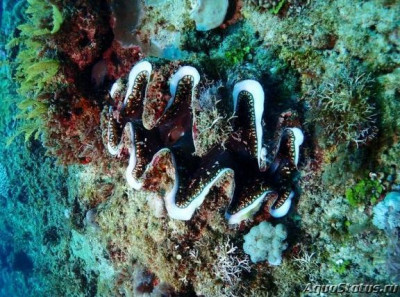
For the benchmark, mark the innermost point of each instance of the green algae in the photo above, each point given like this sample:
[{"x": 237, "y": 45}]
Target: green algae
[
  {"x": 366, "y": 191},
  {"x": 278, "y": 7},
  {"x": 57, "y": 19},
  {"x": 34, "y": 70}
]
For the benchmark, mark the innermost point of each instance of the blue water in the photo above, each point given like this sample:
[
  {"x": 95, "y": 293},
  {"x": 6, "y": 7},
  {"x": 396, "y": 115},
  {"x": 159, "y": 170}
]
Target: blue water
[{"x": 18, "y": 196}]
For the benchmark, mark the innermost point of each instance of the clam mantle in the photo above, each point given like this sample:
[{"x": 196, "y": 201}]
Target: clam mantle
[{"x": 151, "y": 119}]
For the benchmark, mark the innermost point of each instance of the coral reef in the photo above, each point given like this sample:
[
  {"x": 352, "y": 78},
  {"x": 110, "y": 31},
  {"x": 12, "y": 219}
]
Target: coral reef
[
  {"x": 364, "y": 191},
  {"x": 54, "y": 103},
  {"x": 37, "y": 69},
  {"x": 161, "y": 28},
  {"x": 119, "y": 59},
  {"x": 231, "y": 264},
  {"x": 64, "y": 137},
  {"x": 85, "y": 230},
  {"x": 288, "y": 7},
  {"x": 126, "y": 14}
]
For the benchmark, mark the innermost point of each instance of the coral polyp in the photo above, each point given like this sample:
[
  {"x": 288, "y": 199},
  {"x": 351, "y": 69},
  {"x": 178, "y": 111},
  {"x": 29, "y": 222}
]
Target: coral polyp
[{"x": 161, "y": 103}]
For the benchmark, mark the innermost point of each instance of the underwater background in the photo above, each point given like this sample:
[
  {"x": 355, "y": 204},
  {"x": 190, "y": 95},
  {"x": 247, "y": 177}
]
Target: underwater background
[{"x": 300, "y": 191}]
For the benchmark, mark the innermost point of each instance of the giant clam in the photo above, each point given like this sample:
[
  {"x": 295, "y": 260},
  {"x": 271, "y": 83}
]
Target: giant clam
[{"x": 159, "y": 97}]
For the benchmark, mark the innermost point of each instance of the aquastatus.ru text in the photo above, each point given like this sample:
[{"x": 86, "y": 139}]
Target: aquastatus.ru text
[{"x": 345, "y": 288}]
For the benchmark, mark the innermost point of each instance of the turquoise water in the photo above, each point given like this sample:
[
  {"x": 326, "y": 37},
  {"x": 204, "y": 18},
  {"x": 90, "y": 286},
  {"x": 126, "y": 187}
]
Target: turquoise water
[{"x": 27, "y": 220}]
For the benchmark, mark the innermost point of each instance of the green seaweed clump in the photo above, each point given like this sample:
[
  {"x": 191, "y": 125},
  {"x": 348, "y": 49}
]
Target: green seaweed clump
[
  {"x": 36, "y": 65},
  {"x": 57, "y": 19},
  {"x": 366, "y": 191},
  {"x": 237, "y": 55},
  {"x": 342, "y": 267}
]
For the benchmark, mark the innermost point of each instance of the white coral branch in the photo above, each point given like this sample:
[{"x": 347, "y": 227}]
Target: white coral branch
[{"x": 230, "y": 264}]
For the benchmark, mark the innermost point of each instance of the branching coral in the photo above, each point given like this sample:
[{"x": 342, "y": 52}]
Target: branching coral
[
  {"x": 231, "y": 264},
  {"x": 342, "y": 108}
]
